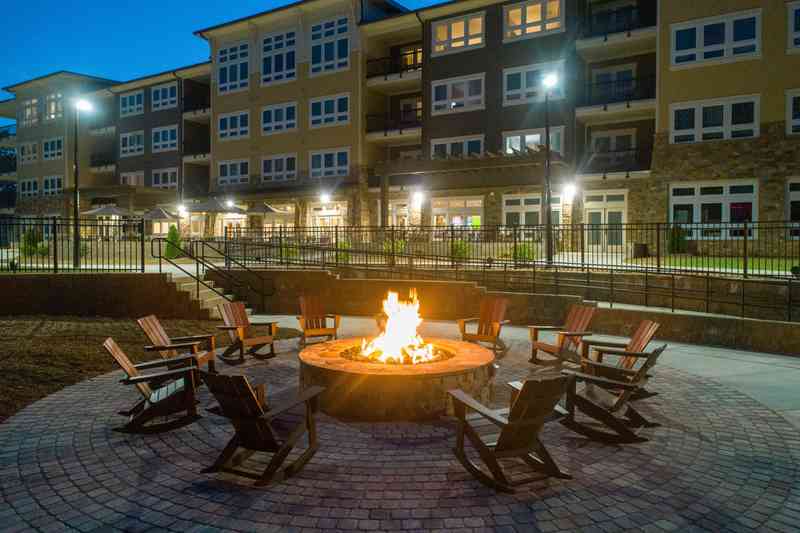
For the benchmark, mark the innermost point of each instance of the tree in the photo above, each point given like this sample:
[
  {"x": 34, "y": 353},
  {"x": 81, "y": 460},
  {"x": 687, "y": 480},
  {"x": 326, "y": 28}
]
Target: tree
[{"x": 173, "y": 243}]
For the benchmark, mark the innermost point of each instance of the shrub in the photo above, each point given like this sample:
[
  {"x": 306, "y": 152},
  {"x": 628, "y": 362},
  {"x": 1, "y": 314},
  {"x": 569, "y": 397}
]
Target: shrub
[
  {"x": 524, "y": 253},
  {"x": 288, "y": 252},
  {"x": 399, "y": 246},
  {"x": 84, "y": 249},
  {"x": 678, "y": 243},
  {"x": 173, "y": 243},
  {"x": 459, "y": 250},
  {"x": 342, "y": 252},
  {"x": 43, "y": 249},
  {"x": 29, "y": 244},
  {"x": 796, "y": 271}
]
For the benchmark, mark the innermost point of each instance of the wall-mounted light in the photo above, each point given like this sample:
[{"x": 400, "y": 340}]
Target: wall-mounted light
[
  {"x": 182, "y": 211},
  {"x": 229, "y": 204},
  {"x": 325, "y": 198},
  {"x": 569, "y": 192},
  {"x": 416, "y": 199}
]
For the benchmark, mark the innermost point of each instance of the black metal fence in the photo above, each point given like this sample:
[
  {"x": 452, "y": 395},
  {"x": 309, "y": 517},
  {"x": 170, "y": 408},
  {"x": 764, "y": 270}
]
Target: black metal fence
[{"x": 48, "y": 245}]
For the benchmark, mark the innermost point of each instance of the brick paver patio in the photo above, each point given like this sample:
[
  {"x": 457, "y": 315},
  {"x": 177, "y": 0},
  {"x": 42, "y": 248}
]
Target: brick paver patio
[{"x": 720, "y": 461}]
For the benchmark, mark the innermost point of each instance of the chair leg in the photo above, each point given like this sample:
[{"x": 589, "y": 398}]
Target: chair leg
[
  {"x": 230, "y": 350},
  {"x": 621, "y": 433},
  {"x": 543, "y": 462},
  {"x": 225, "y": 456},
  {"x": 497, "y": 480},
  {"x": 636, "y": 420}
]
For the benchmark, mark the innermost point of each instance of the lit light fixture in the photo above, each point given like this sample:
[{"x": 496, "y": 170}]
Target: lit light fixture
[
  {"x": 229, "y": 203},
  {"x": 325, "y": 198},
  {"x": 182, "y": 211},
  {"x": 81, "y": 104},
  {"x": 569, "y": 192},
  {"x": 550, "y": 80},
  {"x": 417, "y": 198}
]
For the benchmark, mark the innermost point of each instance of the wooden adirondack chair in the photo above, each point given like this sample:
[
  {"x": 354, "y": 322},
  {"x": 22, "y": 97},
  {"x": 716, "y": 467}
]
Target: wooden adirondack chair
[
  {"x": 600, "y": 391},
  {"x": 168, "y": 347},
  {"x": 568, "y": 337},
  {"x": 489, "y": 324},
  {"x": 238, "y": 325},
  {"x": 518, "y": 437},
  {"x": 256, "y": 428},
  {"x": 164, "y": 394},
  {"x": 314, "y": 320}
]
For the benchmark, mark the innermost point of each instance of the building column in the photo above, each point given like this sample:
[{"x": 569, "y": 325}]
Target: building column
[{"x": 384, "y": 201}]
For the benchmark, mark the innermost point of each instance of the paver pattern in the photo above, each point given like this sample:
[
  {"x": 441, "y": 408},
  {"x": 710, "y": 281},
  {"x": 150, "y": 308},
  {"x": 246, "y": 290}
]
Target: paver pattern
[{"x": 720, "y": 462}]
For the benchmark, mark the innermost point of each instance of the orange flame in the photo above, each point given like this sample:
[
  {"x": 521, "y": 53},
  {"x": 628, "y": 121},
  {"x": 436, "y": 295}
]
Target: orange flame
[{"x": 400, "y": 341}]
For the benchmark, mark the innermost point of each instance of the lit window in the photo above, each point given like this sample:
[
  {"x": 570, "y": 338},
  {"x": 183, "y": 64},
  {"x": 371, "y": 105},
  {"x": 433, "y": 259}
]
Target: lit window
[
  {"x": 28, "y": 153},
  {"x": 131, "y": 144},
  {"x": 727, "y": 37},
  {"x": 132, "y": 179},
  {"x": 29, "y": 116},
  {"x": 710, "y": 120},
  {"x": 521, "y": 141},
  {"x": 165, "y": 178},
  {"x": 165, "y": 139},
  {"x": 233, "y": 68},
  {"x": 131, "y": 104},
  {"x": 327, "y": 163},
  {"x": 53, "y": 148},
  {"x": 330, "y": 46},
  {"x": 794, "y": 26},
  {"x": 521, "y": 209},
  {"x": 524, "y": 84},
  {"x": 53, "y": 106},
  {"x": 718, "y": 207},
  {"x": 234, "y": 125},
  {"x": 279, "y": 168},
  {"x": 793, "y": 208},
  {"x": 329, "y": 111},
  {"x": 52, "y": 185},
  {"x": 532, "y": 19},
  {"x": 29, "y": 187},
  {"x": 279, "y": 57},
  {"x": 164, "y": 96},
  {"x": 458, "y": 34},
  {"x": 233, "y": 172},
  {"x": 793, "y": 112},
  {"x": 457, "y": 147},
  {"x": 279, "y": 118},
  {"x": 457, "y": 95}
]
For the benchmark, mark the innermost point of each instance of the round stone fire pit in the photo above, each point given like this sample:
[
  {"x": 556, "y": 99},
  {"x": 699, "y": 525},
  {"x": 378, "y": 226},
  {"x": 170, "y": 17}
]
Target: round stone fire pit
[{"x": 364, "y": 390}]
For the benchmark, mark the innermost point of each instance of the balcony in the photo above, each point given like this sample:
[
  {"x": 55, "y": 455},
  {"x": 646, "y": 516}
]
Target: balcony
[
  {"x": 386, "y": 128},
  {"x": 393, "y": 75},
  {"x": 8, "y": 136},
  {"x": 197, "y": 109},
  {"x": 608, "y": 33},
  {"x": 8, "y": 163},
  {"x": 103, "y": 163},
  {"x": 625, "y": 99},
  {"x": 625, "y": 162}
]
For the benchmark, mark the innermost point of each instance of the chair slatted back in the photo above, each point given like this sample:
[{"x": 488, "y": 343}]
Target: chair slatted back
[
  {"x": 313, "y": 311},
  {"x": 493, "y": 311},
  {"x": 234, "y": 314},
  {"x": 156, "y": 335},
  {"x": 578, "y": 319},
  {"x": 239, "y": 404},
  {"x": 641, "y": 375},
  {"x": 639, "y": 341},
  {"x": 126, "y": 365},
  {"x": 533, "y": 404}
]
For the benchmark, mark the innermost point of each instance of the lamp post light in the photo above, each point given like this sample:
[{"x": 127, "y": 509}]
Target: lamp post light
[
  {"x": 549, "y": 82},
  {"x": 80, "y": 105}
]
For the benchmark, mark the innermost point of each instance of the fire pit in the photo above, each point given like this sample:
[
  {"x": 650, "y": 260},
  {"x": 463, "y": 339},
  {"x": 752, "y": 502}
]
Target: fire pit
[{"x": 397, "y": 375}]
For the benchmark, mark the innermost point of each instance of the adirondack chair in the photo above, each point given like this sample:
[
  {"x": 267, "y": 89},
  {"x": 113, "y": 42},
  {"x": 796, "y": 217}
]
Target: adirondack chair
[
  {"x": 489, "y": 323},
  {"x": 518, "y": 438},
  {"x": 568, "y": 337},
  {"x": 238, "y": 325},
  {"x": 599, "y": 391},
  {"x": 314, "y": 320},
  {"x": 164, "y": 394},
  {"x": 168, "y": 347},
  {"x": 259, "y": 428}
]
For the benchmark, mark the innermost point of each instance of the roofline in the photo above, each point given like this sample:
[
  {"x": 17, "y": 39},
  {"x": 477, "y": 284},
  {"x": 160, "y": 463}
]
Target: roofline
[
  {"x": 138, "y": 81},
  {"x": 201, "y": 33},
  {"x": 420, "y": 11},
  {"x": 12, "y": 88}
]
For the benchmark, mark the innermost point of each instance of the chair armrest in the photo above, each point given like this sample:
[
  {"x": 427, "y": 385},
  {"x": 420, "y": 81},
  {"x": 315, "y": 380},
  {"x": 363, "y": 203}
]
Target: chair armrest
[
  {"x": 191, "y": 338},
  {"x": 269, "y": 323},
  {"x": 611, "y": 368},
  {"x": 600, "y": 381},
  {"x": 230, "y": 328},
  {"x": 305, "y": 396},
  {"x": 463, "y": 398},
  {"x": 172, "y": 346},
  {"x": 516, "y": 385},
  {"x": 621, "y": 353},
  {"x": 160, "y": 376},
  {"x": 590, "y": 343},
  {"x": 546, "y": 328},
  {"x": 574, "y": 333},
  {"x": 467, "y": 320},
  {"x": 166, "y": 362}
]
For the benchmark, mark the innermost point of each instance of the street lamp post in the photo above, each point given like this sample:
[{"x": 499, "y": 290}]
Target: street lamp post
[
  {"x": 80, "y": 105},
  {"x": 550, "y": 81}
]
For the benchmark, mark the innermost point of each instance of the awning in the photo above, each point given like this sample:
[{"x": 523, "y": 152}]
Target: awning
[
  {"x": 109, "y": 211},
  {"x": 159, "y": 213},
  {"x": 214, "y": 205},
  {"x": 266, "y": 209}
]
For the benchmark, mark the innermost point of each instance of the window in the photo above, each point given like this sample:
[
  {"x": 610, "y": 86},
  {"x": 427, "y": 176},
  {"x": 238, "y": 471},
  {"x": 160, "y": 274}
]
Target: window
[
  {"x": 793, "y": 112},
  {"x": 165, "y": 178},
  {"x": 330, "y": 46},
  {"x": 329, "y": 111},
  {"x": 233, "y": 68},
  {"x": 462, "y": 212},
  {"x": 131, "y": 104},
  {"x": 164, "y": 96},
  {"x": 132, "y": 179},
  {"x": 458, "y": 34},
  {"x": 30, "y": 112},
  {"x": 53, "y": 106},
  {"x": 28, "y": 153},
  {"x": 29, "y": 187},
  {"x": 279, "y": 168},
  {"x": 234, "y": 125},
  {"x": 524, "y": 84},
  {"x": 613, "y": 150},
  {"x": 279, "y": 58},
  {"x": 457, "y": 147},
  {"x": 165, "y": 139},
  {"x": 326, "y": 163},
  {"x": 234, "y": 172},
  {"x": 279, "y": 118},
  {"x": 532, "y": 19},
  {"x": 710, "y": 120},
  {"x": 794, "y": 26},
  {"x": 793, "y": 207},
  {"x": 519, "y": 141},
  {"x": 721, "y": 205},
  {"x": 456, "y": 95},
  {"x": 53, "y": 148},
  {"x": 522, "y": 209},
  {"x": 728, "y": 37},
  {"x": 131, "y": 144},
  {"x": 52, "y": 185}
]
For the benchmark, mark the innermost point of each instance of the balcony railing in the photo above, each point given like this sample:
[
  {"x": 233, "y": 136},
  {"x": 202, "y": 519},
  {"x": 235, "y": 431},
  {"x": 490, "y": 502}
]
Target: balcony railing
[
  {"x": 616, "y": 91},
  {"x": 385, "y": 123},
  {"x": 606, "y": 21},
  {"x": 386, "y": 66},
  {"x": 632, "y": 160},
  {"x": 8, "y": 131},
  {"x": 197, "y": 103},
  {"x": 102, "y": 160},
  {"x": 8, "y": 162}
]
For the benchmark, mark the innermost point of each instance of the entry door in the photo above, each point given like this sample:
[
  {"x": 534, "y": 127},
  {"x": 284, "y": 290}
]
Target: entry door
[
  {"x": 614, "y": 85},
  {"x": 411, "y": 110},
  {"x": 604, "y": 231}
]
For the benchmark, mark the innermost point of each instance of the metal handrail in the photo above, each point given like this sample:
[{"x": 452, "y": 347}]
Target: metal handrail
[
  {"x": 616, "y": 91},
  {"x": 624, "y": 19},
  {"x": 385, "y": 66}
]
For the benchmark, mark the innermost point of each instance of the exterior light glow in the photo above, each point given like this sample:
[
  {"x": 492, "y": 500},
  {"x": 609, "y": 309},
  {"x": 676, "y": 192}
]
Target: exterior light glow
[
  {"x": 325, "y": 198},
  {"x": 182, "y": 212},
  {"x": 550, "y": 80},
  {"x": 569, "y": 192},
  {"x": 82, "y": 104},
  {"x": 229, "y": 203},
  {"x": 417, "y": 199}
]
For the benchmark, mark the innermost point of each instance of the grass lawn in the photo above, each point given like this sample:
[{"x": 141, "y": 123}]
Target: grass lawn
[
  {"x": 41, "y": 355},
  {"x": 754, "y": 264}
]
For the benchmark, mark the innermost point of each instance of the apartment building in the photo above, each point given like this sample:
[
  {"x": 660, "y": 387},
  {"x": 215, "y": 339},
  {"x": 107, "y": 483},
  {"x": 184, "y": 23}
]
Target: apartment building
[{"x": 8, "y": 167}]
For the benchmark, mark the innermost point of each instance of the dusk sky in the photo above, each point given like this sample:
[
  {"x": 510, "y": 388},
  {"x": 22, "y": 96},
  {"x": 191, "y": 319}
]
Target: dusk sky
[{"x": 115, "y": 40}]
